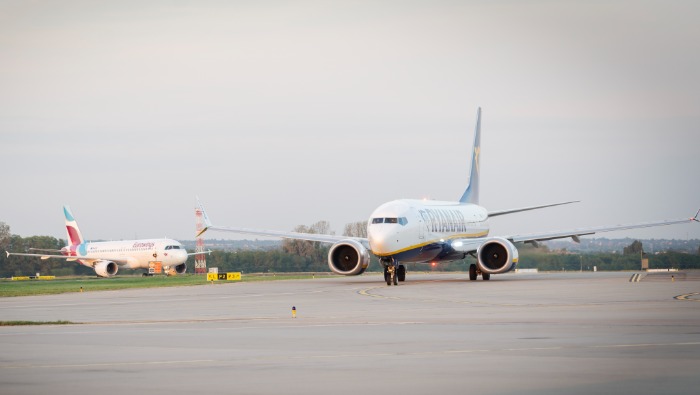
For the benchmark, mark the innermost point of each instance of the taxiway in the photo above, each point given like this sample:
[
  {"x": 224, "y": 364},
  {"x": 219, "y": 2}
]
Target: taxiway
[{"x": 574, "y": 333}]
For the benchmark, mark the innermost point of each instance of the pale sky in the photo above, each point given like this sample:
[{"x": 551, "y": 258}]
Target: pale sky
[{"x": 282, "y": 113}]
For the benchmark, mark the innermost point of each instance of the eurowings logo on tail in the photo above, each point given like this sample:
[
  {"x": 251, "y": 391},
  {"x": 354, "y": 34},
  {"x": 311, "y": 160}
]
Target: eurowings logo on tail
[{"x": 74, "y": 235}]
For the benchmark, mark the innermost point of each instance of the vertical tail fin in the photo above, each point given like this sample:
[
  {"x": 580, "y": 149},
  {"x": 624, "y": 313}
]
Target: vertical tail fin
[
  {"x": 471, "y": 195},
  {"x": 74, "y": 236}
]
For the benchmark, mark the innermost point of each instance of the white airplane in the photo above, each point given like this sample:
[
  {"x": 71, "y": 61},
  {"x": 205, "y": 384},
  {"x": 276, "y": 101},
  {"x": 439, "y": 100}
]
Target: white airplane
[
  {"x": 107, "y": 257},
  {"x": 427, "y": 231}
]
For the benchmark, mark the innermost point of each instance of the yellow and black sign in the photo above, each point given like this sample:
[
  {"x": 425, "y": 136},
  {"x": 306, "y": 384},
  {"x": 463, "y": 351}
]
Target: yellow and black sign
[
  {"x": 233, "y": 276},
  {"x": 24, "y": 278}
]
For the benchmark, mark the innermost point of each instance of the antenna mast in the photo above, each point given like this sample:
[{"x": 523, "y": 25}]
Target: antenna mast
[{"x": 200, "y": 261}]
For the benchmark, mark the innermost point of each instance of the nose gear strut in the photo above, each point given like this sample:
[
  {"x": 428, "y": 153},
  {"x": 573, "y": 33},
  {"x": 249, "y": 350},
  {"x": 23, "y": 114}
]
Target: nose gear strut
[{"x": 394, "y": 272}]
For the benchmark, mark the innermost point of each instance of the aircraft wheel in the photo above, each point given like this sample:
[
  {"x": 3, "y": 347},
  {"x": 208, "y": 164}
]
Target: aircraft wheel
[
  {"x": 485, "y": 276},
  {"x": 472, "y": 272},
  {"x": 402, "y": 273}
]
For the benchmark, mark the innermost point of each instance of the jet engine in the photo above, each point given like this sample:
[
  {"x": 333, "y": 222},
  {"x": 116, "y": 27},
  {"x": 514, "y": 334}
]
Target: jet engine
[
  {"x": 497, "y": 255},
  {"x": 105, "y": 268},
  {"x": 348, "y": 257},
  {"x": 173, "y": 270}
]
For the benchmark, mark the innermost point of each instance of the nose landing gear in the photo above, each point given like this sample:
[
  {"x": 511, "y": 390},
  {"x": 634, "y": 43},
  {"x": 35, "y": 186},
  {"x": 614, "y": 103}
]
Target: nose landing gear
[
  {"x": 394, "y": 272},
  {"x": 390, "y": 275}
]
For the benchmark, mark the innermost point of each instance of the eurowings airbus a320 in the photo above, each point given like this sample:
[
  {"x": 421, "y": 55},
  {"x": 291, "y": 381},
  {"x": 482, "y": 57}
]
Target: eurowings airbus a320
[
  {"x": 427, "y": 231},
  {"x": 106, "y": 257}
]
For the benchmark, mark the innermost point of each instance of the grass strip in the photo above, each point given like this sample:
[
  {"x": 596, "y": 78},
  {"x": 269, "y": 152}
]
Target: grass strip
[
  {"x": 75, "y": 284},
  {"x": 23, "y": 323}
]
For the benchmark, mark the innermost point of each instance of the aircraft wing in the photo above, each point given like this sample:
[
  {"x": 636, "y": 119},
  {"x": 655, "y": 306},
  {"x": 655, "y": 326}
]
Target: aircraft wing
[
  {"x": 576, "y": 233},
  {"x": 120, "y": 260},
  {"x": 45, "y": 249},
  {"x": 471, "y": 245},
  {"x": 518, "y": 210},
  {"x": 275, "y": 233},
  {"x": 285, "y": 235}
]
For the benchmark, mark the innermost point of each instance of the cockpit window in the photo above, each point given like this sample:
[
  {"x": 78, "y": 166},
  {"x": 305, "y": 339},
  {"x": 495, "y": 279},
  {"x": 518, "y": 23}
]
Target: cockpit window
[
  {"x": 172, "y": 247},
  {"x": 390, "y": 220}
]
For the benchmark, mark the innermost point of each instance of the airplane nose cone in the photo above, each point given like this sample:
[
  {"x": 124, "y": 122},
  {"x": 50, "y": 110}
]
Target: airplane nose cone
[
  {"x": 380, "y": 242},
  {"x": 180, "y": 255}
]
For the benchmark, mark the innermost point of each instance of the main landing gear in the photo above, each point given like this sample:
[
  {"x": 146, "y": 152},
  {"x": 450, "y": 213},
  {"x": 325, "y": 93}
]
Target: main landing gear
[
  {"x": 394, "y": 272},
  {"x": 474, "y": 272}
]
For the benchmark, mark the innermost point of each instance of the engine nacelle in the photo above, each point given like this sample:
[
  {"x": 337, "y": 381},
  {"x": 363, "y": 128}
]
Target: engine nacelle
[
  {"x": 105, "y": 268},
  {"x": 181, "y": 268},
  {"x": 348, "y": 257},
  {"x": 173, "y": 270},
  {"x": 497, "y": 255}
]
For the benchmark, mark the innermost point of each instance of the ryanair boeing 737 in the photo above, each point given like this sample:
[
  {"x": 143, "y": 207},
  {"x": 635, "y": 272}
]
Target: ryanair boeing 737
[
  {"x": 106, "y": 257},
  {"x": 426, "y": 231}
]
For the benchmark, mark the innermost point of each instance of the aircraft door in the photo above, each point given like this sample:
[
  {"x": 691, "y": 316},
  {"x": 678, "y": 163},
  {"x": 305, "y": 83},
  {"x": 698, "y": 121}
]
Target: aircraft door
[{"x": 421, "y": 224}]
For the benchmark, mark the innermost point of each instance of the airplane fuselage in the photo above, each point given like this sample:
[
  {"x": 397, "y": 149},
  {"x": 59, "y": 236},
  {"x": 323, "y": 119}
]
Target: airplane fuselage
[
  {"x": 131, "y": 254},
  {"x": 428, "y": 231},
  {"x": 420, "y": 230}
]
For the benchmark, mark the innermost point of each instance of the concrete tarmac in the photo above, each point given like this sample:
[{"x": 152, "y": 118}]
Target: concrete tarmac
[{"x": 568, "y": 333}]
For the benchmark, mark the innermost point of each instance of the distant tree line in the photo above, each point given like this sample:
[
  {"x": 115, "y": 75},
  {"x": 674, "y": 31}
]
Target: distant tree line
[
  {"x": 26, "y": 265},
  {"x": 606, "y": 261},
  {"x": 629, "y": 260},
  {"x": 305, "y": 256},
  {"x": 294, "y": 256}
]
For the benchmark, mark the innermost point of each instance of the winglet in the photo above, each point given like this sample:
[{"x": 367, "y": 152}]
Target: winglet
[
  {"x": 471, "y": 195},
  {"x": 8, "y": 253},
  {"x": 205, "y": 217},
  {"x": 695, "y": 218}
]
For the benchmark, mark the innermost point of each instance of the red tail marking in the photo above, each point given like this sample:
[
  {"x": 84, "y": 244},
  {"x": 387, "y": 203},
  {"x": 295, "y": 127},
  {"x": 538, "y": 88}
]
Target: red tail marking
[{"x": 73, "y": 235}]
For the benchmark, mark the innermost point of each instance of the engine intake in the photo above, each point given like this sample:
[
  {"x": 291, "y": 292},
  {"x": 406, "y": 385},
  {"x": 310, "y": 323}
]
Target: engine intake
[
  {"x": 105, "y": 268},
  {"x": 348, "y": 258},
  {"x": 174, "y": 270},
  {"x": 496, "y": 256},
  {"x": 181, "y": 268}
]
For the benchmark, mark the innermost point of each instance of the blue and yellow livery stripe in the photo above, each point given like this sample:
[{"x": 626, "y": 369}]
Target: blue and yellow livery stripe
[{"x": 434, "y": 241}]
